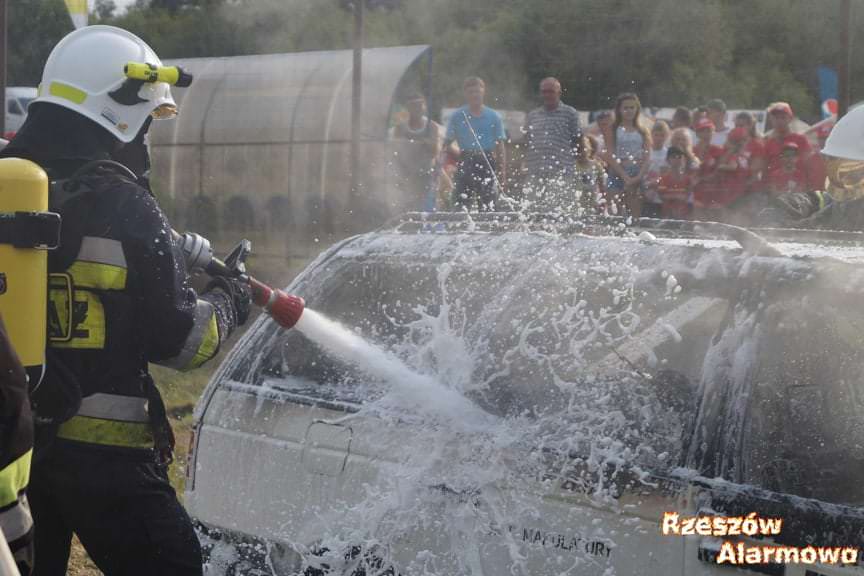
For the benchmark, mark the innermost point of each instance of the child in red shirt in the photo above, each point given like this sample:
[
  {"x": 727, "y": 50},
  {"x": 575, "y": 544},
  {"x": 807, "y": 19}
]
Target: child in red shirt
[
  {"x": 705, "y": 182},
  {"x": 733, "y": 171},
  {"x": 676, "y": 186},
  {"x": 789, "y": 176}
]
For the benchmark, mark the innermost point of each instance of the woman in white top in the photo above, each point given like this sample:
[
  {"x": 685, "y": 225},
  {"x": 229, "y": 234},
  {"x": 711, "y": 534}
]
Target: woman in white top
[{"x": 628, "y": 150}]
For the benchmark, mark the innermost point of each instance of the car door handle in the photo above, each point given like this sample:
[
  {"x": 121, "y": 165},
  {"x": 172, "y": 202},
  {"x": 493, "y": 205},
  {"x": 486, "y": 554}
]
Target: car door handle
[{"x": 466, "y": 495}]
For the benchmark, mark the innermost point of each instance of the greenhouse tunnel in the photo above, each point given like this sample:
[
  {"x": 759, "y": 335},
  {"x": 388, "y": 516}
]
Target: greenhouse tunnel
[{"x": 261, "y": 147}]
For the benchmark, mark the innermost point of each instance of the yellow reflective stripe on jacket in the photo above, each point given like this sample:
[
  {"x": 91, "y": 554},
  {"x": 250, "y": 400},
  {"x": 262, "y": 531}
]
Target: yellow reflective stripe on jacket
[
  {"x": 107, "y": 432},
  {"x": 101, "y": 265},
  {"x": 14, "y": 478},
  {"x": 202, "y": 342},
  {"x": 821, "y": 196},
  {"x": 88, "y": 319},
  {"x": 97, "y": 276},
  {"x": 209, "y": 345}
]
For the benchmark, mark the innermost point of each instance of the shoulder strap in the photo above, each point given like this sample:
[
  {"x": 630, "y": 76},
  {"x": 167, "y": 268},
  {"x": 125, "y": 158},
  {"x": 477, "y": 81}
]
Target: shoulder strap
[
  {"x": 82, "y": 181},
  {"x": 30, "y": 229}
]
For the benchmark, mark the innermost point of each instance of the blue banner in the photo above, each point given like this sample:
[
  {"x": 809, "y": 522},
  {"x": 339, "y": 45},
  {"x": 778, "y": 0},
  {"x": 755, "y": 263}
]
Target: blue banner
[{"x": 827, "y": 86}]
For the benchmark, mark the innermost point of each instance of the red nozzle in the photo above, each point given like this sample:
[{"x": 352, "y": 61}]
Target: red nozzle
[{"x": 285, "y": 309}]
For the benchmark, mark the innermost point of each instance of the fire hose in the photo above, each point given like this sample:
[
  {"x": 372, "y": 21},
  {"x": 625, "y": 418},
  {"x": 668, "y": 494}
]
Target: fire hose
[{"x": 284, "y": 308}]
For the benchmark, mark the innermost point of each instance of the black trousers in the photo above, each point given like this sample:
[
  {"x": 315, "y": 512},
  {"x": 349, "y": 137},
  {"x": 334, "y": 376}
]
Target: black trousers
[
  {"x": 122, "y": 508},
  {"x": 475, "y": 182}
]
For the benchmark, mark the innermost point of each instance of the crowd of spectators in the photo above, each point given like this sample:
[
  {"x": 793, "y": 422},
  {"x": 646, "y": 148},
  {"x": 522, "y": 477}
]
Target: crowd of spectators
[{"x": 702, "y": 164}]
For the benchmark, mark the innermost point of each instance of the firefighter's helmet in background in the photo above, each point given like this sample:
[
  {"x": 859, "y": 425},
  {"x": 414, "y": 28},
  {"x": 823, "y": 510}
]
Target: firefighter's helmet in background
[
  {"x": 844, "y": 151},
  {"x": 96, "y": 72}
]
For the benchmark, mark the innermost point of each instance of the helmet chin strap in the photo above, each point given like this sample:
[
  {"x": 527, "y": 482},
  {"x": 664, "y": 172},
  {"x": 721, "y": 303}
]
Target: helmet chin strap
[{"x": 136, "y": 154}]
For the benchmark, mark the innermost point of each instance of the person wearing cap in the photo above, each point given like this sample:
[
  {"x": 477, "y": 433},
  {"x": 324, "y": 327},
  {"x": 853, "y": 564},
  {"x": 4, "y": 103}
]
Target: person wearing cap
[
  {"x": 781, "y": 134},
  {"x": 717, "y": 115},
  {"x": 708, "y": 155},
  {"x": 788, "y": 176}
]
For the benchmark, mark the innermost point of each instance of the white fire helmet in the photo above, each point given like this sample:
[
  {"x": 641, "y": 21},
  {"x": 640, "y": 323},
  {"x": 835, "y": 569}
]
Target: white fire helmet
[
  {"x": 85, "y": 73},
  {"x": 846, "y": 140}
]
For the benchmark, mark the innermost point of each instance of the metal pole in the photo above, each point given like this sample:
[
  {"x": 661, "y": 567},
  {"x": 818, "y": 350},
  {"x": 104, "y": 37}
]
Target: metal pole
[
  {"x": 845, "y": 64},
  {"x": 3, "y": 67},
  {"x": 357, "y": 101}
]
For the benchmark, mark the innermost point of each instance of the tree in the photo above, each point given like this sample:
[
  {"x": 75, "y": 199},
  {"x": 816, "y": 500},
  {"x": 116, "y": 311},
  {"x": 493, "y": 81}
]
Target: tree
[
  {"x": 35, "y": 26},
  {"x": 671, "y": 52},
  {"x": 104, "y": 9}
]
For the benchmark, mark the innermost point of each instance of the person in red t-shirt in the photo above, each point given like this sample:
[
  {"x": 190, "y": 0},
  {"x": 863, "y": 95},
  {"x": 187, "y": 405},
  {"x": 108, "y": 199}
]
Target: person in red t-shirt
[
  {"x": 775, "y": 142},
  {"x": 708, "y": 155},
  {"x": 675, "y": 187},
  {"x": 733, "y": 171},
  {"x": 754, "y": 149},
  {"x": 788, "y": 176}
]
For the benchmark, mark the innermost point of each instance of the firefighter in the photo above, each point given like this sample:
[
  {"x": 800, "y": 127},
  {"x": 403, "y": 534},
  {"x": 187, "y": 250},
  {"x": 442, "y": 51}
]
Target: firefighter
[
  {"x": 16, "y": 449},
  {"x": 119, "y": 298}
]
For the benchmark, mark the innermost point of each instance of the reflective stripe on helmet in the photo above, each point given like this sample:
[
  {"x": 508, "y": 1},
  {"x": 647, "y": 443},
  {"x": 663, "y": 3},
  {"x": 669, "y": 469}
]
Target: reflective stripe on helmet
[
  {"x": 115, "y": 407},
  {"x": 60, "y": 90},
  {"x": 202, "y": 342},
  {"x": 107, "y": 432},
  {"x": 17, "y": 521},
  {"x": 14, "y": 478}
]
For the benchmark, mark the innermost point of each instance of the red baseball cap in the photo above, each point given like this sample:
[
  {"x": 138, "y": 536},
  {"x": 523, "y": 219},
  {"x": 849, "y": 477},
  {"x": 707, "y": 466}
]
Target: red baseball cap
[
  {"x": 703, "y": 124},
  {"x": 783, "y": 107},
  {"x": 790, "y": 146},
  {"x": 737, "y": 135}
]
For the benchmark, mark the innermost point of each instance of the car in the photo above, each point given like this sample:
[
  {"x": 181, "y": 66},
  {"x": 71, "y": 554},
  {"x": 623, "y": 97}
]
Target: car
[
  {"x": 18, "y": 99},
  {"x": 506, "y": 394}
]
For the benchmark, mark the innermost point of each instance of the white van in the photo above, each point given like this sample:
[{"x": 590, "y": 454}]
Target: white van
[
  {"x": 18, "y": 99},
  {"x": 585, "y": 381}
]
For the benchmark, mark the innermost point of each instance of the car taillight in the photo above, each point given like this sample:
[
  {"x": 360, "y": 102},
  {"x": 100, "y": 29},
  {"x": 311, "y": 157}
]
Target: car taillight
[{"x": 9, "y": 135}]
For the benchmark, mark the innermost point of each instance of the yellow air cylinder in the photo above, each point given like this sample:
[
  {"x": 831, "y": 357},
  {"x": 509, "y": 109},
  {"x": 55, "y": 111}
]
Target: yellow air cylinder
[{"x": 24, "y": 271}]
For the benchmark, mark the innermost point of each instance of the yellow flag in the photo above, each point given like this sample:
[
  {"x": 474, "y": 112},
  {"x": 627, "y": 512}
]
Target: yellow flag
[{"x": 78, "y": 11}]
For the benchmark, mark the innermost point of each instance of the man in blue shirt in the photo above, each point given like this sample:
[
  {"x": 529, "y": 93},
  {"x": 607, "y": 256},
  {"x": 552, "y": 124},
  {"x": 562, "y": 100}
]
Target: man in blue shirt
[{"x": 479, "y": 132}]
